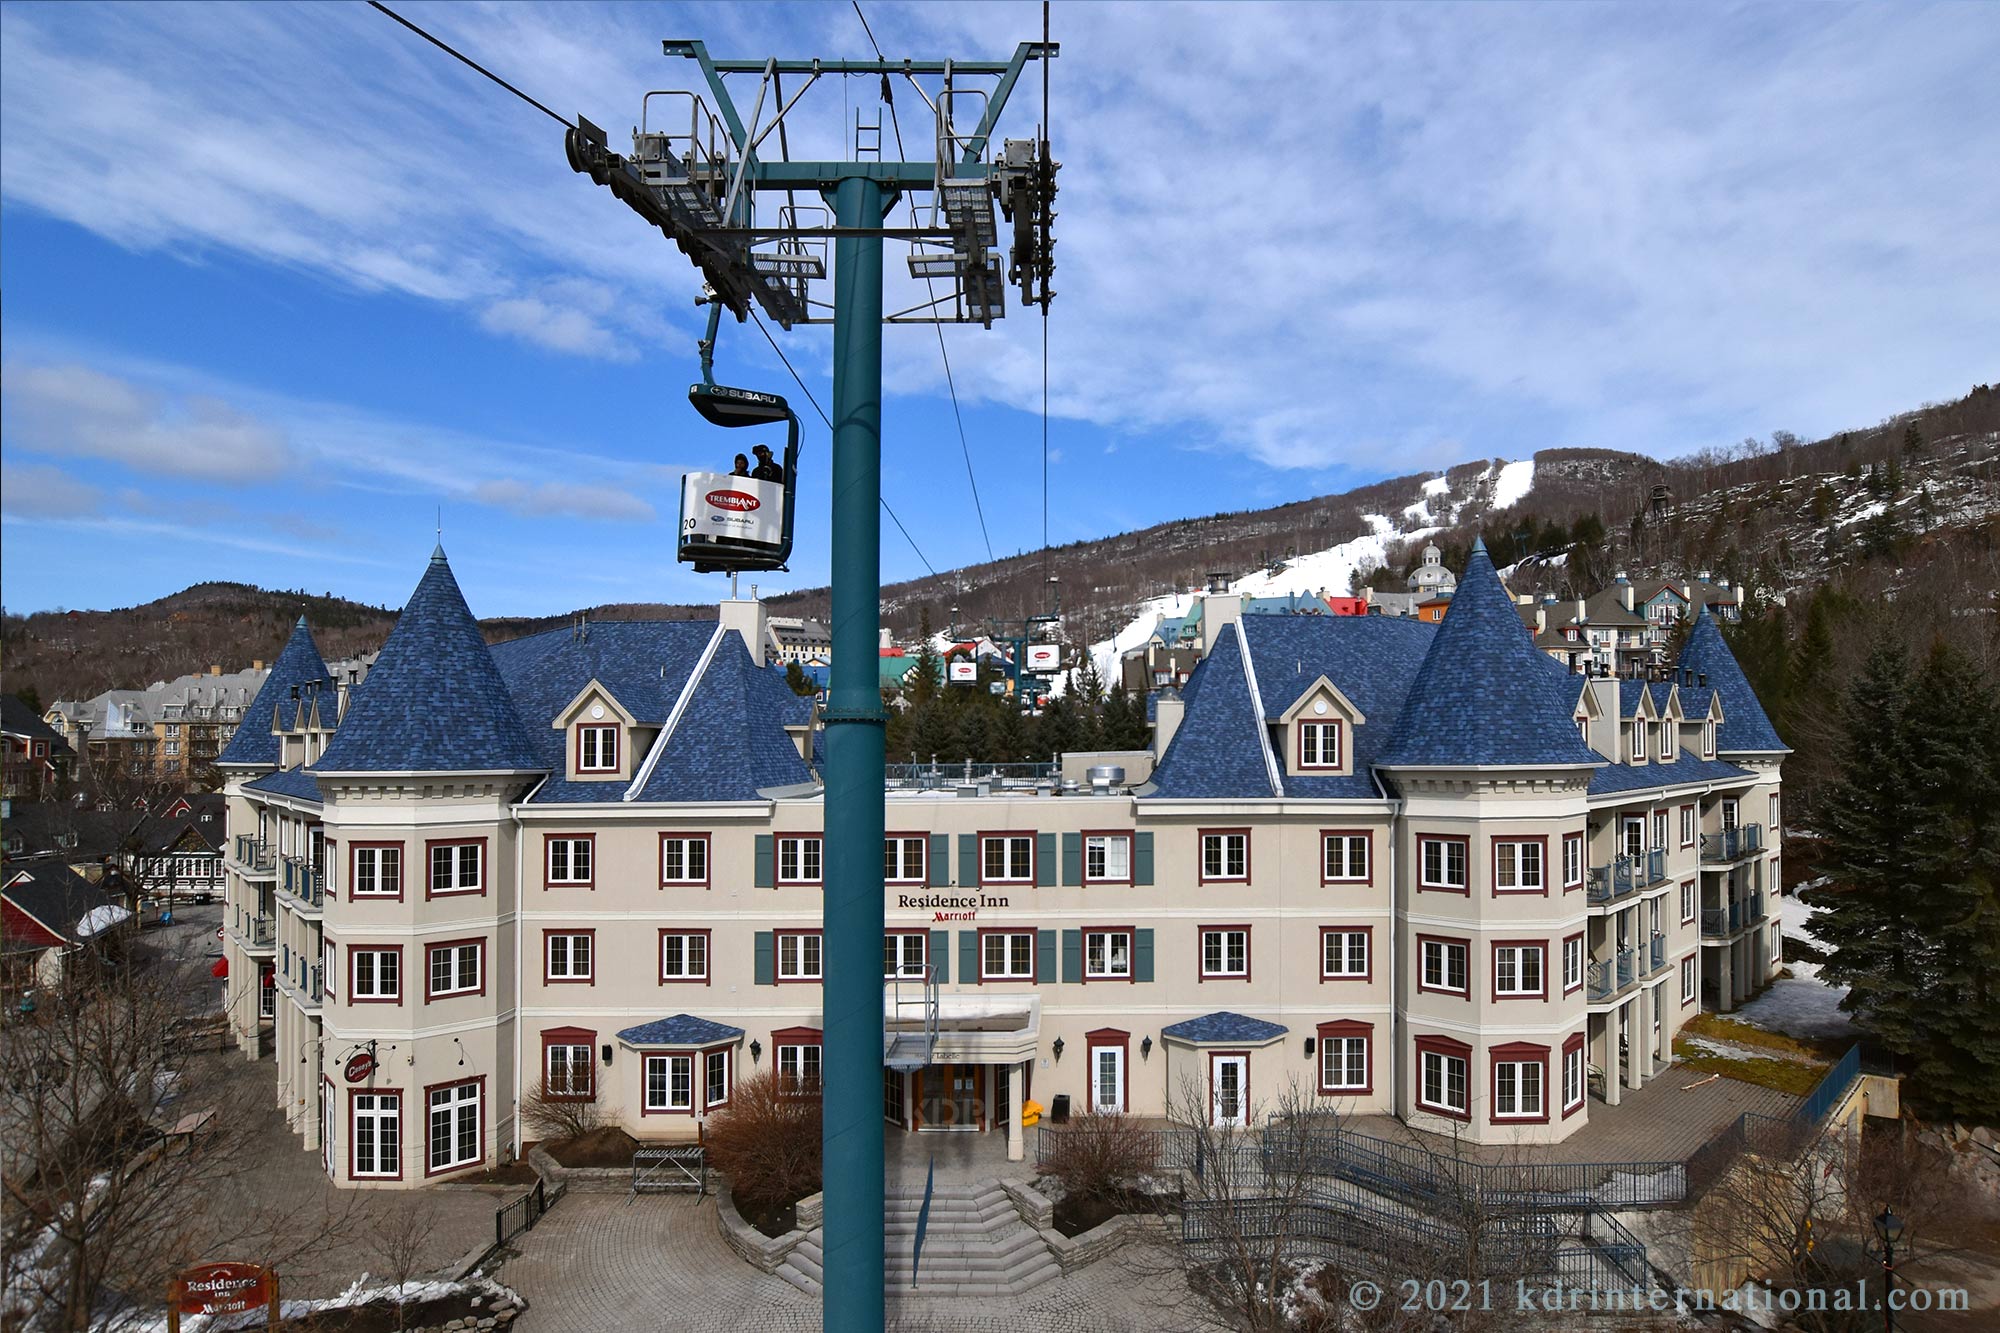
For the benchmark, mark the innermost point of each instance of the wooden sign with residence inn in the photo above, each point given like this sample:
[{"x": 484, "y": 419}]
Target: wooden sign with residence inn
[{"x": 223, "y": 1288}]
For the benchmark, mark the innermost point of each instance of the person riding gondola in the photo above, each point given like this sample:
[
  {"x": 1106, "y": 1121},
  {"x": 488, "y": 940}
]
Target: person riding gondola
[
  {"x": 742, "y": 468},
  {"x": 767, "y": 469}
]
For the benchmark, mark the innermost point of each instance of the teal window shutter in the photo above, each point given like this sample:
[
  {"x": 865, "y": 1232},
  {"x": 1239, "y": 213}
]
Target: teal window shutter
[
  {"x": 968, "y": 860},
  {"x": 1045, "y": 954},
  {"x": 1142, "y": 953},
  {"x": 940, "y": 952},
  {"x": 1072, "y": 945},
  {"x": 1142, "y": 858},
  {"x": 1072, "y": 858},
  {"x": 766, "y": 973},
  {"x": 767, "y": 862},
  {"x": 1045, "y": 859},
  {"x": 938, "y": 859},
  {"x": 968, "y": 955}
]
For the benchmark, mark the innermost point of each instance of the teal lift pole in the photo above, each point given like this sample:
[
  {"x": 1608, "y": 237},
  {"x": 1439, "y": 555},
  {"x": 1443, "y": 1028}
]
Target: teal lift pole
[{"x": 851, "y": 1111}]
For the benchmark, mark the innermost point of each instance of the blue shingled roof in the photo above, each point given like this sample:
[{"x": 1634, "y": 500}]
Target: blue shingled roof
[
  {"x": 1369, "y": 659},
  {"x": 253, "y": 742},
  {"x": 730, "y": 744},
  {"x": 1638, "y": 777},
  {"x": 1630, "y": 692},
  {"x": 1744, "y": 728},
  {"x": 1694, "y": 701},
  {"x": 1485, "y": 694},
  {"x": 294, "y": 782},
  {"x": 1219, "y": 750},
  {"x": 435, "y": 701},
  {"x": 1223, "y": 1026},
  {"x": 680, "y": 1030}
]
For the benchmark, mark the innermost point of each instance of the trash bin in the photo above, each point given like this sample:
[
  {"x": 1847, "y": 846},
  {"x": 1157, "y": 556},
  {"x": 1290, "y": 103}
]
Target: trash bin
[{"x": 1059, "y": 1109}]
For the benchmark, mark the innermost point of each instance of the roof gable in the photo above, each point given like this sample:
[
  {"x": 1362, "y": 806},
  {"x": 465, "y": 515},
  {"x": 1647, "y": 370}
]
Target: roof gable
[
  {"x": 1220, "y": 750},
  {"x": 297, "y": 663},
  {"x": 729, "y": 741}
]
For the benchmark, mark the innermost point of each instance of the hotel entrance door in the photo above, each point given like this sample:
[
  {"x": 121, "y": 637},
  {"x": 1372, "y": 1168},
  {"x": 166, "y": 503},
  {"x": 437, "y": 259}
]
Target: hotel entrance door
[{"x": 951, "y": 1097}]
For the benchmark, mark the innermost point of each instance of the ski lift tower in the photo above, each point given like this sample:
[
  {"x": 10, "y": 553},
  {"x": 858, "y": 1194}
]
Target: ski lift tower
[{"x": 699, "y": 171}]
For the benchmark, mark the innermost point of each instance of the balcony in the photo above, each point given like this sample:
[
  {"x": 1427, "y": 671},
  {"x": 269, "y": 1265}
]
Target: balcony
[
  {"x": 1611, "y": 976},
  {"x": 308, "y": 994},
  {"x": 1656, "y": 955},
  {"x": 254, "y": 858},
  {"x": 1719, "y": 923},
  {"x": 1625, "y": 876},
  {"x": 1732, "y": 844},
  {"x": 303, "y": 883},
  {"x": 258, "y": 934}
]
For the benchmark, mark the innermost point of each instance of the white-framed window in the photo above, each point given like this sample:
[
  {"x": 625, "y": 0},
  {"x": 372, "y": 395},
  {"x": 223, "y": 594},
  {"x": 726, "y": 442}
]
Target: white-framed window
[
  {"x": 454, "y": 969},
  {"x": 1687, "y": 902},
  {"x": 1517, "y": 867},
  {"x": 1225, "y": 856},
  {"x": 1572, "y": 860},
  {"x": 1731, "y": 812},
  {"x": 378, "y": 873},
  {"x": 799, "y": 1064},
  {"x": 1007, "y": 955},
  {"x": 1667, "y": 747},
  {"x": 1687, "y": 826},
  {"x": 455, "y": 867},
  {"x": 454, "y": 1126},
  {"x": 1773, "y": 830},
  {"x": 1007, "y": 859},
  {"x": 1442, "y": 1085},
  {"x": 715, "y": 1079},
  {"x": 1638, "y": 731},
  {"x": 799, "y": 956},
  {"x": 1343, "y": 955},
  {"x": 597, "y": 749},
  {"x": 570, "y": 956},
  {"x": 684, "y": 859},
  {"x": 377, "y": 974},
  {"x": 1441, "y": 863},
  {"x": 903, "y": 860},
  {"x": 1319, "y": 745},
  {"x": 1659, "y": 828},
  {"x": 1690, "y": 982},
  {"x": 1573, "y": 1077},
  {"x": 1225, "y": 952},
  {"x": 1107, "y": 858},
  {"x": 1517, "y": 1088},
  {"x": 568, "y": 1070},
  {"x": 669, "y": 1083},
  {"x": 1573, "y": 963},
  {"x": 799, "y": 860},
  {"x": 375, "y": 1129},
  {"x": 1344, "y": 857},
  {"x": 1633, "y": 827},
  {"x": 684, "y": 955},
  {"x": 905, "y": 953},
  {"x": 1444, "y": 966},
  {"x": 570, "y": 860},
  {"x": 1107, "y": 955},
  {"x": 1343, "y": 1064},
  {"x": 1517, "y": 969},
  {"x": 1708, "y": 740}
]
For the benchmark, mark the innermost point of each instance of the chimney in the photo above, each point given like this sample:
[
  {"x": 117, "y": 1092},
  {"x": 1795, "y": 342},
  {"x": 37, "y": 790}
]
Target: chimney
[
  {"x": 1703, "y": 678},
  {"x": 1581, "y": 614},
  {"x": 884, "y": 639},
  {"x": 1218, "y": 609},
  {"x": 214, "y": 670},
  {"x": 1624, "y": 589},
  {"x": 256, "y": 664},
  {"x": 1542, "y": 618},
  {"x": 745, "y": 615},
  {"x": 1168, "y": 710},
  {"x": 1524, "y": 599}
]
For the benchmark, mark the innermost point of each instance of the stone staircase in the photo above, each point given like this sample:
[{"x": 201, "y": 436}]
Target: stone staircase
[{"x": 975, "y": 1245}]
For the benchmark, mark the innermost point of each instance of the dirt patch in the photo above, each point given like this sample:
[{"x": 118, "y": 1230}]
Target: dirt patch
[
  {"x": 773, "y": 1219},
  {"x": 380, "y": 1316},
  {"x": 1074, "y": 1216},
  {"x": 521, "y": 1172},
  {"x": 607, "y": 1145}
]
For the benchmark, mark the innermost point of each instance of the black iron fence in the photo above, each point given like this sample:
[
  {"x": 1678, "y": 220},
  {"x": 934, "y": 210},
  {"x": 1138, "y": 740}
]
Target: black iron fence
[{"x": 511, "y": 1219}]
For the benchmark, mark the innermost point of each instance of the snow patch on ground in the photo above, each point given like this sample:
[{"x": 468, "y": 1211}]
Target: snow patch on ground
[
  {"x": 1801, "y": 1005},
  {"x": 1514, "y": 483},
  {"x": 1863, "y": 514}
]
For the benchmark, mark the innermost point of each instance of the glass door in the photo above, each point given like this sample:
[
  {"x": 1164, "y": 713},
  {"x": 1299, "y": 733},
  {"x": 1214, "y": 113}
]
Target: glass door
[
  {"x": 1230, "y": 1075},
  {"x": 1107, "y": 1080}
]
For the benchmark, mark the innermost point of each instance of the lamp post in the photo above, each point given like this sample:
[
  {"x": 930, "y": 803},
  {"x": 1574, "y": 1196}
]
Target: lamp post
[{"x": 1888, "y": 1230}]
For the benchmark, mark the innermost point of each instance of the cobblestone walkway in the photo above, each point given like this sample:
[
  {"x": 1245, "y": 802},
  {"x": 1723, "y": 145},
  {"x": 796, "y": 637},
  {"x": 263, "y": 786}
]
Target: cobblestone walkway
[{"x": 600, "y": 1263}]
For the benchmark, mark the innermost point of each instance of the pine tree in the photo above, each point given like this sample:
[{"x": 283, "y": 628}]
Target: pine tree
[
  {"x": 1008, "y": 737},
  {"x": 921, "y": 685},
  {"x": 797, "y": 681}
]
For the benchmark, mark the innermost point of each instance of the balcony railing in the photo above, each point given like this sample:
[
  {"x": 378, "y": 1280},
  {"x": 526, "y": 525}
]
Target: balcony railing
[
  {"x": 1625, "y": 875},
  {"x": 1720, "y": 922},
  {"x": 302, "y": 881},
  {"x": 260, "y": 932},
  {"x": 253, "y": 854},
  {"x": 1612, "y": 975},
  {"x": 1656, "y": 959},
  {"x": 1731, "y": 843}
]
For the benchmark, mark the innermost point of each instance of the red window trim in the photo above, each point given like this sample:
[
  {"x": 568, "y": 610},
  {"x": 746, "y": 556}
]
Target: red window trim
[
  {"x": 485, "y": 868},
  {"x": 590, "y": 980},
  {"x": 1201, "y": 954},
  {"x": 1034, "y": 952},
  {"x": 924, "y": 840},
  {"x": 478, "y": 1161},
  {"x": 1034, "y": 856},
  {"x": 1201, "y": 858},
  {"x": 1456, "y": 1050},
  {"x": 778, "y": 976},
  {"x": 1493, "y": 961},
  {"x": 549, "y": 882},
  {"x": 1582, "y": 973},
  {"x": 1493, "y": 858},
  {"x": 707, "y": 862},
  {"x": 700, "y": 1089},
  {"x": 1463, "y": 840},
  {"x": 694, "y": 1071},
  {"x": 1575, "y": 1042},
  {"x": 1106, "y": 1037},
  {"x": 617, "y": 748},
  {"x": 707, "y": 961},
  {"x": 1690, "y": 826},
  {"x": 430, "y": 945},
  {"x": 798, "y": 1036},
  {"x": 1346, "y": 1027},
  {"x": 1131, "y": 954},
  {"x": 1213, "y": 1056},
  {"x": 1516, "y": 1052},
  {"x": 1083, "y": 869},
  {"x": 778, "y": 841},
  {"x": 1696, "y": 997},
  {"x": 1326, "y": 976},
  {"x": 1575, "y": 840},
  {"x": 585, "y": 1037},
  {"x": 1339, "y": 745},
  {"x": 402, "y": 872},
  {"x": 1464, "y": 942},
  {"x": 402, "y": 1139},
  {"x": 354, "y": 995},
  {"x": 1689, "y": 917},
  {"x": 1368, "y": 838}
]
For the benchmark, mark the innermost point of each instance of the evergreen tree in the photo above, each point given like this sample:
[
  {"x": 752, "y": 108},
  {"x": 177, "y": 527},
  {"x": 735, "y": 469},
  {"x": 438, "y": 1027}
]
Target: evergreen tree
[
  {"x": 1007, "y": 738},
  {"x": 797, "y": 681},
  {"x": 921, "y": 685}
]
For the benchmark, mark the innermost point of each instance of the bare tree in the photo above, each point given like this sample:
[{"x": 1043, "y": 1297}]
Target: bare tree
[
  {"x": 397, "y": 1242},
  {"x": 556, "y": 1115}
]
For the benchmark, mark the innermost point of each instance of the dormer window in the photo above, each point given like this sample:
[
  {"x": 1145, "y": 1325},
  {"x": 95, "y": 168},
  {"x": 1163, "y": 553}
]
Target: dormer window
[
  {"x": 1319, "y": 744},
  {"x": 1638, "y": 740},
  {"x": 1708, "y": 739},
  {"x": 597, "y": 749},
  {"x": 1667, "y": 746}
]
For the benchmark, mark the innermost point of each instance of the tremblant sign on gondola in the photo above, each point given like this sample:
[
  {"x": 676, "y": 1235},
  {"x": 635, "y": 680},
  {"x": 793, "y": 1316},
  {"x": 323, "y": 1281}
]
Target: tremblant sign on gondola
[{"x": 732, "y": 523}]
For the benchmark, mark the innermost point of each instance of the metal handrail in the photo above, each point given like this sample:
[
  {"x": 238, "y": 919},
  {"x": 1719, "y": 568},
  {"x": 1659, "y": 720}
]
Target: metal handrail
[{"x": 1730, "y": 843}]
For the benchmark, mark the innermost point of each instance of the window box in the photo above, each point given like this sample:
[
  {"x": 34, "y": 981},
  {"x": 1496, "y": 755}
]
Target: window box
[
  {"x": 570, "y": 861},
  {"x": 453, "y": 968},
  {"x": 684, "y": 860},
  {"x": 1345, "y": 856},
  {"x": 456, "y": 867},
  {"x": 1006, "y": 955},
  {"x": 1346, "y": 953},
  {"x": 1006, "y": 858},
  {"x": 684, "y": 956},
  {"x": 1346, "y": 1066},
  {"x": 1225, "y": 856},
  {"x": 569, "y": 957},
  {"x": 1444, "y": 863}
]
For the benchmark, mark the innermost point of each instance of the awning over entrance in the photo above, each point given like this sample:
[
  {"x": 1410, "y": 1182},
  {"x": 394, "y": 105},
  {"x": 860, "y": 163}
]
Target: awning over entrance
[
  {"x": 680, "y": 1030},
  {"x": 221, "y": 968},
  {"x": 1223, "y": 1028}
]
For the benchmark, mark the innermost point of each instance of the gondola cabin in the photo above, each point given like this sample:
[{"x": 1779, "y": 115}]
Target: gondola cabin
[{"x": 731, "y": 523}]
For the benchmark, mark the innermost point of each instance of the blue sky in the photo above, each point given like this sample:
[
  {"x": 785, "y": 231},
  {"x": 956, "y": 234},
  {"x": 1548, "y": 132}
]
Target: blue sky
[{"x": 282, "y": 280}]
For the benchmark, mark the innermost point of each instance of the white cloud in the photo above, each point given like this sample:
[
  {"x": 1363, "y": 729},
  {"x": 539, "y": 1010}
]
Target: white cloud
[
  {"x": 75, "y": 411},
  {"x": 38, "y": 488},
  {"x": 550, "y": 499}
]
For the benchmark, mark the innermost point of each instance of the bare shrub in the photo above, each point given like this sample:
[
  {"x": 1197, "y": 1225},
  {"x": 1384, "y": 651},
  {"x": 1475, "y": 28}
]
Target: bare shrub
[
  {"x": 397, "y": 1242},
  {"x": 1099, "y": 1157},
  {"x": 767, "y": 1141},
  {"x": 554, "y": 1115}
]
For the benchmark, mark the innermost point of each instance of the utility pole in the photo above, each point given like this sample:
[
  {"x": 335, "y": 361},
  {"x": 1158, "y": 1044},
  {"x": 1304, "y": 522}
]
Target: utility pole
[{"x": 696, "y": 172}]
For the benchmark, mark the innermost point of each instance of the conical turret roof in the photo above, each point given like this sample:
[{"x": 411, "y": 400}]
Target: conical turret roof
[
  {"x": 298, "y": 662},
  {"x": 1745, "y": 728}
]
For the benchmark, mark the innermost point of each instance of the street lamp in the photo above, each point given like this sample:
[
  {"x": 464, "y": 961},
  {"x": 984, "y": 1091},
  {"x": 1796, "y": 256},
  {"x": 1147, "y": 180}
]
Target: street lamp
[{"x": 1888, "y": 1230}]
